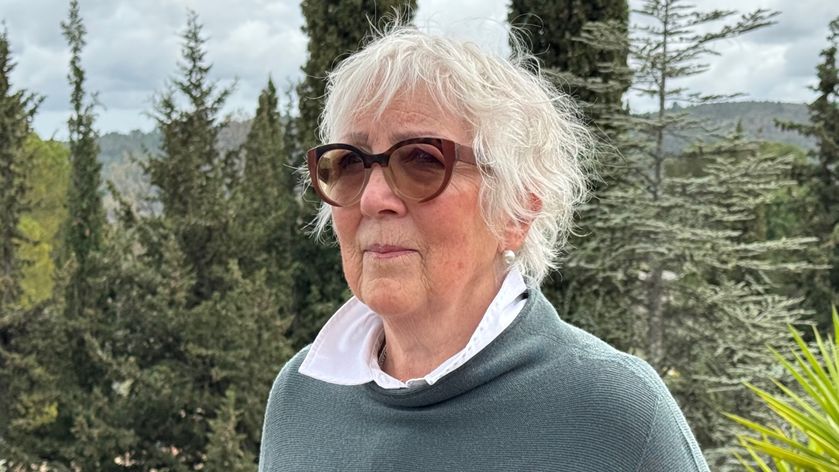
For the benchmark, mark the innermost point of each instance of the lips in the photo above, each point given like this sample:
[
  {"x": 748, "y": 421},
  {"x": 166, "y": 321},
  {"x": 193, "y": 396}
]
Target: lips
[{"x": 386, "y": 251}]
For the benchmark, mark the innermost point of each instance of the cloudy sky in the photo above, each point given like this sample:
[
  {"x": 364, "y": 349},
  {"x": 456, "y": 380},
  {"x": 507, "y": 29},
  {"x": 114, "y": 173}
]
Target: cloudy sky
[{"x": 133, "y": 47}]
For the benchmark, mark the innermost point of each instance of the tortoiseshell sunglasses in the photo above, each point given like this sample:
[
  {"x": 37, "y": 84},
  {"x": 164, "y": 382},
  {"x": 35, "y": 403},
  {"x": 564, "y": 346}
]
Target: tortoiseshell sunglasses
[{"x": 417, "y": 169}]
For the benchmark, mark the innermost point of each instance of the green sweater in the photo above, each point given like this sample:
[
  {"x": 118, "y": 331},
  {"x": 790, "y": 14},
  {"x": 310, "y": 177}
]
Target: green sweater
[{"x": 544, "y": 395}]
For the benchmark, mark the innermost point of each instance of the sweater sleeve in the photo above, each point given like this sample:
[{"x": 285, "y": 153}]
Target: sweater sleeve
[
  {"x": 670, "y": 444},
  {"x": 271, "y": 431}
]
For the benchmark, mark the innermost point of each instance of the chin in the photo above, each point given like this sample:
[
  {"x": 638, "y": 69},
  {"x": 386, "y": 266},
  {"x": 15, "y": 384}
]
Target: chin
[{"x": 388, "y": 297}]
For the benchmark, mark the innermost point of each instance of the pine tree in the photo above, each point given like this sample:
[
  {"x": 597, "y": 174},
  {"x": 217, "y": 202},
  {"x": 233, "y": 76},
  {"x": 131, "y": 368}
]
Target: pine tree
[
  {"x": 335, "y": 29},
  {"x": 584, "y": 44},
  {"x": 190, "y": 172},
  {"x": 86, "y": 218},
  {"x": 17, "y": 109}
]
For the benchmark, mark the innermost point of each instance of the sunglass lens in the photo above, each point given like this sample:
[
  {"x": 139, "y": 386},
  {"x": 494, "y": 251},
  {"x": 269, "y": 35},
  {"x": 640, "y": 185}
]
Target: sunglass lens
[
  {"x": 418, "y": 170},
  {"x": 340, "y": 175}
]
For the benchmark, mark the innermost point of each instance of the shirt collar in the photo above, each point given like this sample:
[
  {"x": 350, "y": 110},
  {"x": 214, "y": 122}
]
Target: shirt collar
[{"x": 345, "y": 352}]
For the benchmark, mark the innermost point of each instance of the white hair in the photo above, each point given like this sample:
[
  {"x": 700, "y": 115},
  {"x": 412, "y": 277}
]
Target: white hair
[{"x": 528, "y": 138}]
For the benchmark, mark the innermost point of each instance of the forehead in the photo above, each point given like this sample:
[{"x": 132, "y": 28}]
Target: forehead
[{"x": 408, "y": 115}]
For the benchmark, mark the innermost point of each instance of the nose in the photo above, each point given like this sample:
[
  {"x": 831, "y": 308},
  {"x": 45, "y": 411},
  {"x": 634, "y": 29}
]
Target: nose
[{"x": 378, "y": 198}]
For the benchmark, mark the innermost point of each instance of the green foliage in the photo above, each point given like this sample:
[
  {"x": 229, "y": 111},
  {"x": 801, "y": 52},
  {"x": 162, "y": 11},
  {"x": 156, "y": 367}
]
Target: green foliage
[
  {"x": 224, "y": 451},
  {"x": 335, "y": 30},
  {"x": 41, "y": 224},
  {"x": 144, "y": 380},
  {"x": 807, "y": 437},
  {"x": 174, "y": 362},
  {"x": 820, "y": 174},
  {"x": 584, "y": 44},
  {"x": 86, "y": 218},
  {"x": 17, "y": 108},
  {"x": 190, "y": 172},
  {"x": 265, "y": 195}
]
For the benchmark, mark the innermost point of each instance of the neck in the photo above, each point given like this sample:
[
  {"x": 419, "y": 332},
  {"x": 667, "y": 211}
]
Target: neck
[{"x": 416, "y": 344}]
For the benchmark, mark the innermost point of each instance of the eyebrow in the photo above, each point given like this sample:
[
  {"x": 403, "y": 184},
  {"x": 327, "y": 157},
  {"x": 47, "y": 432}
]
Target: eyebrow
[{"x": 362, "y": 139}]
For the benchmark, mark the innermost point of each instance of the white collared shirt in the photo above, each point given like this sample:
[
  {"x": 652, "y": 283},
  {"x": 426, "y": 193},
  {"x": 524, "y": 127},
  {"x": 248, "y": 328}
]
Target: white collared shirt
[{"x": 345, "y": 352}]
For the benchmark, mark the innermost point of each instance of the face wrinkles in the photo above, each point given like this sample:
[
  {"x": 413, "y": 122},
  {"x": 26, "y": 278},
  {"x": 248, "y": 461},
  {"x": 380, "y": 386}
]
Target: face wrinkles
[{"x": 441, "y": 247}]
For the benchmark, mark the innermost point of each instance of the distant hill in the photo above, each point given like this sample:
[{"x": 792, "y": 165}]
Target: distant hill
[
  {"x": 117, "y": 148},
  {"x": 122, "y": 156},
  {"x": 756, "y": 118}
]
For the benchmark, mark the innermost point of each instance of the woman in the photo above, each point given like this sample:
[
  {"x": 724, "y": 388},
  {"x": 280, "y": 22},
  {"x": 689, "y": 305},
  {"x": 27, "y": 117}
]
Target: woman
[{"x": 450, "y": 184}]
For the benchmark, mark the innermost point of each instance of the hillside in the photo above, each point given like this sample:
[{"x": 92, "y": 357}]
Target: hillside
[
  {"x": 122, "y": 156},
  {"x": 756, "y": 118}
]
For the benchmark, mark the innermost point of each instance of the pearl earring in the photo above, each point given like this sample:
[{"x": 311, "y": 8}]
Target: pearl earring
[{"x": 509, "y": 257}]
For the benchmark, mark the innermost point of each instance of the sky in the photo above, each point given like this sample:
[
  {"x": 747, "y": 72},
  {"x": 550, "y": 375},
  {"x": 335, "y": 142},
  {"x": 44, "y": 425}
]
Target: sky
[{"x": 133, "y": 48}]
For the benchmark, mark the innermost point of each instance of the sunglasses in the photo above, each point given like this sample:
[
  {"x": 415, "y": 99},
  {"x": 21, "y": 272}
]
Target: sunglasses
[{"x": 417, "y": 169}]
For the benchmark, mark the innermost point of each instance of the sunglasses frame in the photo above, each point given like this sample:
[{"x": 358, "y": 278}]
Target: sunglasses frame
[{"x": 450, "y": 150}]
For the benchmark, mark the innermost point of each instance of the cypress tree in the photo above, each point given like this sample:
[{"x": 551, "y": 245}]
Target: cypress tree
[
  {"x": 86, "y": 218},
  {"x": 62, "y": 413},
  {"x": 265, "y": 196},
  {"x": 335, "y": 30},
  {"x": 820, "y": 174},
  {"x": 65, "y": 416},
  {"x": 584, "y": 44}
]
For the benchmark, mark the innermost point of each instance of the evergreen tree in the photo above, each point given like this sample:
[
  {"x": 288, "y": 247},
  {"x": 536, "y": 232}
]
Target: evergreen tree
[
  {"x": 820, "y": 175},
  {"x": 190, "y": 172},
  {"x": 584, "y": 44},
  {"x": 224, "y": 451},
  {"x": 187, "y": 325},
  {"x": 17, "y": 109},
  {"x": 335, "y": 29},
  {"x": 265, "y": 196},
  {"x": 86, "y": 218},
  {"x": 173, "y": 362}
]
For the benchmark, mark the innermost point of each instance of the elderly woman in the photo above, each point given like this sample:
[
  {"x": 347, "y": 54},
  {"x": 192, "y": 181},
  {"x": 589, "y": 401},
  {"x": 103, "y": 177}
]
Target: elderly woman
[{"x": 450, "y": 183}]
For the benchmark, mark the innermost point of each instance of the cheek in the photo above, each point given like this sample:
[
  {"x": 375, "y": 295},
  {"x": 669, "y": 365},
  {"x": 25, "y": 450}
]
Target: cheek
[
  {"x": 345, "y": 229},
  {"x": 464, "y": 241}
]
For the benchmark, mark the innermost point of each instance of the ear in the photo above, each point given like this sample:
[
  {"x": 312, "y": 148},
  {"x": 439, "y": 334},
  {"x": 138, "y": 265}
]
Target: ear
[{"x": 516, "y": 230}]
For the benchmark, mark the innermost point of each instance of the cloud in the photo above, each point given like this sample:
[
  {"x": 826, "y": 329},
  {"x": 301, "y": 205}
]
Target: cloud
[
  {"x": 775, "y": 63},
  {"x": 133, "y": 49}
]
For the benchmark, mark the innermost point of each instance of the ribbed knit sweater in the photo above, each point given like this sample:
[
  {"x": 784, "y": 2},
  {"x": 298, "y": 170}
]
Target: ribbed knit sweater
[{"x": 543, "y": 396}]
